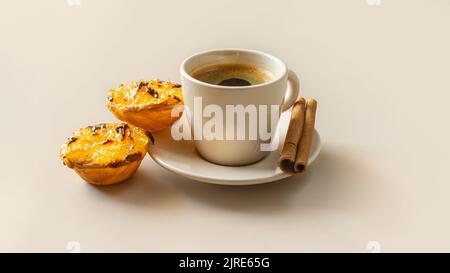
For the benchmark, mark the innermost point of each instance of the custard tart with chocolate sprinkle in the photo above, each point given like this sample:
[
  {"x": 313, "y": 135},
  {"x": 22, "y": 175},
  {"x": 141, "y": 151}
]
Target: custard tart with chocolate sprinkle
[
  {"x": 146, "y": 104},
  {"x": 106, "y": 154}
]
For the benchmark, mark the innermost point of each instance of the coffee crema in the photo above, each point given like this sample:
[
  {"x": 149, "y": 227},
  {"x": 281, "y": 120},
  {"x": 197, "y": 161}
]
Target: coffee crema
[{"x": 232, "y": 75}]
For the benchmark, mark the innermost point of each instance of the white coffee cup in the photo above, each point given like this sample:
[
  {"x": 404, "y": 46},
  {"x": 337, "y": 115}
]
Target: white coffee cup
[{"x": 280, "y": 91}]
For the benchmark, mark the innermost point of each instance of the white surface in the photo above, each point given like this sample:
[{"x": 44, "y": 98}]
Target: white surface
[
  {"x": 380, "y": 74},
  {"x": 182, "y": 158}
]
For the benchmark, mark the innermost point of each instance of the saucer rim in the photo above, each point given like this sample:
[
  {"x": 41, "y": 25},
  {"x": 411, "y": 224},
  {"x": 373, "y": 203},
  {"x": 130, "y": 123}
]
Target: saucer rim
[{"x": 235, "y": 182}]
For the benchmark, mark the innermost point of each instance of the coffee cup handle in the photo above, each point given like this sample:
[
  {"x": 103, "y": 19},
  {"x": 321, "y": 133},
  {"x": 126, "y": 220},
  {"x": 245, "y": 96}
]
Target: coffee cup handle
[{"x": 292, "y": 91}]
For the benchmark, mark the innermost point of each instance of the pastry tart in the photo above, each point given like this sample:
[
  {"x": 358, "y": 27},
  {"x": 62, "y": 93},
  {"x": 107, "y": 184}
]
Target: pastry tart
[
  {"x": 146, "y": 104},
  {"x": 105, "y": 154}
]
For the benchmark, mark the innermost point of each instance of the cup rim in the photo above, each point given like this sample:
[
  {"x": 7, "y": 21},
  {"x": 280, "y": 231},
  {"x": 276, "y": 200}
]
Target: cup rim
[{"x": 185, "y": 74}]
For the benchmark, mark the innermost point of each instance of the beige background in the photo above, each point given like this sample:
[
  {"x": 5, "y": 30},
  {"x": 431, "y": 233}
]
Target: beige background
[{"x": 380, "y": 74}]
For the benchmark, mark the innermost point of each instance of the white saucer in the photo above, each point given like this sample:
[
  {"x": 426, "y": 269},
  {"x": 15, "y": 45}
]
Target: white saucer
[{"x": 181, "y": 157}]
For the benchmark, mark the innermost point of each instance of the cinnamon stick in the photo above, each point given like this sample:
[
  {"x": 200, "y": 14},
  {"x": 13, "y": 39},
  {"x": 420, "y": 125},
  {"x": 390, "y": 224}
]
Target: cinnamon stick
[
  {"x": 286, "y": 161},
  {"x": 303, "y": 148}
]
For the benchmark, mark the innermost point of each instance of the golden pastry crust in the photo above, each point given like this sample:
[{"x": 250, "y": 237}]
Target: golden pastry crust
[
  {"x": 105, "y": 154},
  {"x": 146, "y": 104}
]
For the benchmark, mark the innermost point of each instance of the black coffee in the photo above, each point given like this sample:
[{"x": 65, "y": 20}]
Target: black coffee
[
  {"x": 234, "y": 82},
  {"x": 232, "y": 75}
]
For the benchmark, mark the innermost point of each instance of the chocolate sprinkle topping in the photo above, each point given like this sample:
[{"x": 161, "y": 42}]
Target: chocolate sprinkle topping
[
  {"x": 141, "y": 84},
  {"x": 152, "y": 92},
  {"x": 93, "y": 128},
  {"x": 102, "y": 126},
  {"x": 71, "y": 139},
  {"x": 150, "y": 136},
  {"x": 121, "y": 130},
  {"x": 110, "y": 98},
  {"x": 177, "y": 98},
  {"x": 176, "y": 85}
]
